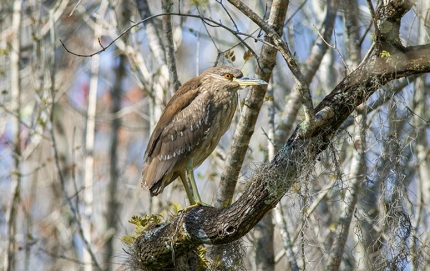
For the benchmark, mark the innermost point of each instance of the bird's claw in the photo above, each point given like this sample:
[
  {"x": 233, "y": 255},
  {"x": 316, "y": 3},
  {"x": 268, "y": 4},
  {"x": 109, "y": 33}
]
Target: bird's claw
[{"x": 197, "y": 204}]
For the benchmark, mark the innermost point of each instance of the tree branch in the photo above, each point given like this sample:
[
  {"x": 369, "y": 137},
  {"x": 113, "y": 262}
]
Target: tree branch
[
  {"x": 169, "y": 46},
  {"x": 313, "y": 62}
]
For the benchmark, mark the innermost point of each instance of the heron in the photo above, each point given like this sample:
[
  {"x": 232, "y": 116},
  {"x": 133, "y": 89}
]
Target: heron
[{"x": 190, "y": 127}]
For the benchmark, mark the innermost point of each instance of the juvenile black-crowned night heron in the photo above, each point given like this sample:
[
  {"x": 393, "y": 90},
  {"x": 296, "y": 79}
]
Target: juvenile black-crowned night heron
[{"x": 190, "y": 127}]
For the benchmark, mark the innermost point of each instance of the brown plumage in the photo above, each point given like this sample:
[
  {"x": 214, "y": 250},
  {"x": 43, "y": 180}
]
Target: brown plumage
[{"x": 192, "y": 123}]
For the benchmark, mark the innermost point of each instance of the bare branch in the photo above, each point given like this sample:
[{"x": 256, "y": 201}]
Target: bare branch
[
  {"x": 313, "y": 62},
  {"x": 228, "y": 14},
  {"x": 372, "y": 13},
  {"x": 203, "y": 19},
  {"x": 302, "y": 84}
]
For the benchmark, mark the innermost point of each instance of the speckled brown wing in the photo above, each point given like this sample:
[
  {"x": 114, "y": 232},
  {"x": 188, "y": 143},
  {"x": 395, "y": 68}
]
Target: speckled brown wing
[{"x": 182, "y": 126}]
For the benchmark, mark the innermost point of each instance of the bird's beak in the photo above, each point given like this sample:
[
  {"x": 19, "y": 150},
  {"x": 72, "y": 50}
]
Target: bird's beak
[{"x": 246, "y": 81}]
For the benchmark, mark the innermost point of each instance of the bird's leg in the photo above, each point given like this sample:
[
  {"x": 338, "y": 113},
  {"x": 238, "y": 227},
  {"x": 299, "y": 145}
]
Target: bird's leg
[
  {"x": 190, "y": 174},
  {"x": 187, "y": 189}
]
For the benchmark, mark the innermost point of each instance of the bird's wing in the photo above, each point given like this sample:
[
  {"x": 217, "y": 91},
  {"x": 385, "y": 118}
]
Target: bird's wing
[
  {"x": 182, "y": 126},
  {"x": 188, "y": 128},
  {"x": 182, "y": 98}
]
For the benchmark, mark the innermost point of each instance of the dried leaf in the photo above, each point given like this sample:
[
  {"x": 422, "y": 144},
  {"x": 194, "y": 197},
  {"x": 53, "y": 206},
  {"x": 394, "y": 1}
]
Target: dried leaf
[{"x": 247, "y": 55}]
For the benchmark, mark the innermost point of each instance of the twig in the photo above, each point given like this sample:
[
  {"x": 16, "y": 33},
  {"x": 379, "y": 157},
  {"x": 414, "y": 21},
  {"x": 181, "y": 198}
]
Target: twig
[
  {"x": 373, "y": 14},
  {"x": 205, "y": 20},
  {"x": 332, "y": 46},
  {"x": 283, "y": 48},
  {"x": 75, "y": 7},
  {"x": 313, "y": 62},
  {"x": 63, "y": 257},
  {"x": 228, "y": 14},
  {"x": 365, "y": 34},
  {"x": 209, "y": 34},
  {"x": 295, "y": 12}
]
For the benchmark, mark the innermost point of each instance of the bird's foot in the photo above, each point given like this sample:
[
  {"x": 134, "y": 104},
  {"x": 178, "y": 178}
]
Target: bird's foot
[{"x": 197, "y": 204}]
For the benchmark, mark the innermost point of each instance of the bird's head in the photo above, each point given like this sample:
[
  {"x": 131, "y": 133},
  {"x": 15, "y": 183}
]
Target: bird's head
[{"x": 229, "y": 78}]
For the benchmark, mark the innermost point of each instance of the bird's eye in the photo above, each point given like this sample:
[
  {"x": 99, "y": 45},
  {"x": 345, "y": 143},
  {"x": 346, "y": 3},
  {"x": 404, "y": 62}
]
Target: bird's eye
[{"x": 228, "y": 76}]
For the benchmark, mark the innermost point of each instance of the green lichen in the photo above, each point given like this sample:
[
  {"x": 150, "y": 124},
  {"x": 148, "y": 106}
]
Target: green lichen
[
  {"x": 384, "y": 54},
  {"x": 142, "y": 223}
]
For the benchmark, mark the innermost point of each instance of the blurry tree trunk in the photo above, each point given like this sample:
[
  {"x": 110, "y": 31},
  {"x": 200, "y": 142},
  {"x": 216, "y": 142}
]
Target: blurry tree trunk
[
  {"x": 159, "y": 90},
  {"x": 352, "y": 37},
  {"x": 15, "y": 89},
  {"x": 90, "y": 134},
  {"x": 264, "y": 250},
  {"x": 113, "y": 210},
  {"x": 423, "y": 167},
  {"x": 420, "y": 103},
  {"x": 113, "y": 202},
  {"x": 287, "y": 242}
]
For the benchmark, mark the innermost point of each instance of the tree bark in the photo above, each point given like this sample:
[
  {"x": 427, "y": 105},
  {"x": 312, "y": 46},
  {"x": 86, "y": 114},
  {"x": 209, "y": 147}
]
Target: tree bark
[{"x": 168, "y": 43}]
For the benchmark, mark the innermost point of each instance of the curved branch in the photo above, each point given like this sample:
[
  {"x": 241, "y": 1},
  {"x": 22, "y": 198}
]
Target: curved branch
[{"x": 205, "y": 20}]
